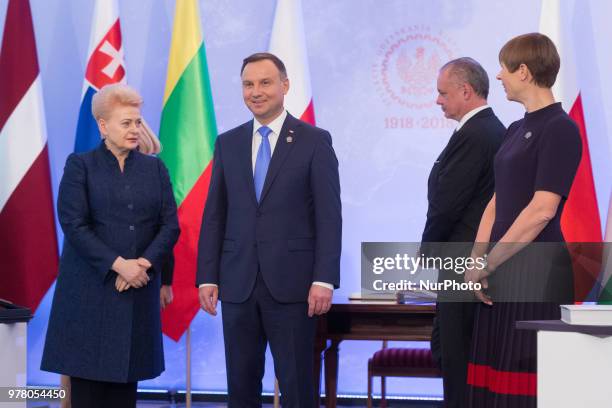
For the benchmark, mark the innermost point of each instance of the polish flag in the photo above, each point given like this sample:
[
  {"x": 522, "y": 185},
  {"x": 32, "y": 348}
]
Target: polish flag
[
  {"x": 28, "y": 244},
  {"x": 289, "y": 44},
  {"x": 580, "y": 221}
]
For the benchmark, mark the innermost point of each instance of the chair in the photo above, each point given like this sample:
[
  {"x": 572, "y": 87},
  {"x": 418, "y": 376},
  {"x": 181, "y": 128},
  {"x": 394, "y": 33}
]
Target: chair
[{"x": 399, "y": 362}]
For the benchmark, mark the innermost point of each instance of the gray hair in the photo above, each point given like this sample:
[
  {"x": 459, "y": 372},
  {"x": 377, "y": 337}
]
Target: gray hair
[
  {"x": 111, "y": 96},
  {"x": 468, "y": 70}
]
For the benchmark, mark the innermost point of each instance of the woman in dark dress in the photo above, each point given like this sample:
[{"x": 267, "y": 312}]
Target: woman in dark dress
[
  {"x": 148, "y": 143},
  {"x": 534, "y": 171},
  {"x": 118, "y": 214}
]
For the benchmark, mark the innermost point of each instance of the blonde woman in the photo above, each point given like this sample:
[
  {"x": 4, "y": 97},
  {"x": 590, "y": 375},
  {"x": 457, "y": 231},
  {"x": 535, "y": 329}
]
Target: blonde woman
[
  {"x": 118, "y": 214},
  {"x": 148, "y": 144}
]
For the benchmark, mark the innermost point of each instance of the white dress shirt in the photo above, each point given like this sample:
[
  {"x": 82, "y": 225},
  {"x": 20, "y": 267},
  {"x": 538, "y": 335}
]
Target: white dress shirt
[
  {"x": 275, "y": 126},
  {"x": 469, "y": 116}
]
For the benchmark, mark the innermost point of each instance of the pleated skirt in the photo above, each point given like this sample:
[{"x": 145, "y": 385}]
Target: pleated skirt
[{"x": 502, "y": 370}]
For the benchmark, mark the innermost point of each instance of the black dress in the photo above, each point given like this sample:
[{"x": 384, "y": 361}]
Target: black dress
[{"x": 540, "y": 153}]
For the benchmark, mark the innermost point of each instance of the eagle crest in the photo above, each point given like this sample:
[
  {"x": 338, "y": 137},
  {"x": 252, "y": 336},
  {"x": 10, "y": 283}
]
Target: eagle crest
[{"x": 417, "y": 71}]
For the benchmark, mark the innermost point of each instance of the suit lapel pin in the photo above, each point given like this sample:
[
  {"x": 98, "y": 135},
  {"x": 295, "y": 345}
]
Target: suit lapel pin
[
  {"x": 290, "y": 138},
  {"x": 527, "y": 135}
]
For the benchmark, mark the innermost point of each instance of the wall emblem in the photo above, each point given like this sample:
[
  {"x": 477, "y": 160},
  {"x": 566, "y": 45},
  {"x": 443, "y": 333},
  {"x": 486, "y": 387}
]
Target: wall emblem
[{"x": 407, "y": 67}]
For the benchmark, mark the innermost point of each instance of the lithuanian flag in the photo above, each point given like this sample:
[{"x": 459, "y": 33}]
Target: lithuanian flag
[{"x": 187, "y": 132}]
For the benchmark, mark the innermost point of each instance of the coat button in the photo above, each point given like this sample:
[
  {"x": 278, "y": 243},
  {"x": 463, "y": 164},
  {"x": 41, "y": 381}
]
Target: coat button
[
  {"x": 131, "y": 206},
  {"x": 131, "y": 228}
]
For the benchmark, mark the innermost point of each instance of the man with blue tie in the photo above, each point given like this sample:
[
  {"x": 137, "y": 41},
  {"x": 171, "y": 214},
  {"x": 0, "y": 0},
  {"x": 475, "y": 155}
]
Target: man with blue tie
[{"x": 270, "y": 241}]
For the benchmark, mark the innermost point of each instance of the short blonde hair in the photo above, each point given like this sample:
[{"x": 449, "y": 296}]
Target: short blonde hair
[{"x": 110, "y": 96}]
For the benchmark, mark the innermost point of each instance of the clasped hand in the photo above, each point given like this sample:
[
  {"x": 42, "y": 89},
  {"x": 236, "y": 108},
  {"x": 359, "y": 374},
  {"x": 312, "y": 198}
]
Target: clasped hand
[
  {"x": 476, "y": 275},
  {"x": 132, "y": 273}
]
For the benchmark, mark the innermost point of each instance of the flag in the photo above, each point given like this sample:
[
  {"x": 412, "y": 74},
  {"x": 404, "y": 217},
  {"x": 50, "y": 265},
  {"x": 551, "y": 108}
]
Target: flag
[
  {"x": 606, "y": 282},
  {"x": 289, "y": 44},
  {"x": 28, "y": 242},
  {"x": 580, "y": 220},
  {"x": 187, "y": 131},
  {"x": 104, "y": 66}
]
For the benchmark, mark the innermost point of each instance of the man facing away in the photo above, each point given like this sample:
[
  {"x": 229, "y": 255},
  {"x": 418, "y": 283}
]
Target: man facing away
[
  {"x": 459, "y": 187},
  {"x": 270, "y": 241}
]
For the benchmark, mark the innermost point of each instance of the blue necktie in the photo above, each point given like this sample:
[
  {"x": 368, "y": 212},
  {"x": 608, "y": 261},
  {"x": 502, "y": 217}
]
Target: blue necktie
[{"x": 263, "y": 160}]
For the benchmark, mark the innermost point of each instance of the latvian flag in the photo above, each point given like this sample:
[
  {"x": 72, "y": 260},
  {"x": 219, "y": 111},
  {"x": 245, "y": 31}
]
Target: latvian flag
[
  {"x": 28, "y": 244},
  {"x": 105, "y": 66}
]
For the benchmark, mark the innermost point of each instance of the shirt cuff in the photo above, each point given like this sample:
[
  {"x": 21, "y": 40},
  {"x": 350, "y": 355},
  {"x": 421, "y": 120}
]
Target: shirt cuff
[
  {"x": 325, "y": 285},
  {"x": 214, "y": 285}
]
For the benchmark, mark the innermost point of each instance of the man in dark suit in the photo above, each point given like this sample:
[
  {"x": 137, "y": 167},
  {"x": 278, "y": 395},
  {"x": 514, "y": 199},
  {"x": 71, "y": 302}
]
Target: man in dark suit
[
  {"x": 459, "y": 187},
  {"x": 270, "y": 241}
]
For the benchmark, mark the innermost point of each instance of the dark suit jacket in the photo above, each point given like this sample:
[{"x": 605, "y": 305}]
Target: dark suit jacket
[
  {"x": 293, "y": 235},
  {"x": 461, "y": 181},
  {"x": 94, "y": 331}
]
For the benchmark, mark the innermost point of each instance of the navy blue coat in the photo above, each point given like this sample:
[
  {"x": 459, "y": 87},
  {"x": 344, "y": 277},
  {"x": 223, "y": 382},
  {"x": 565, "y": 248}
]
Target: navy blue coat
[
  {"x": 94, "y": 331},
  {"x": 293, "y": 235}
]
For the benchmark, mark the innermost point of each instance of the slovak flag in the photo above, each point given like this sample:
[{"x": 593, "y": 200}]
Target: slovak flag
[
  {"x": 288, "y": 43},
  {"x": 105, "y": 66}
]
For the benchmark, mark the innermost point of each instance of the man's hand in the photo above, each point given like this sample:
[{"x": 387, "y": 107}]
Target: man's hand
[
  {"x": 319, "y": 300},
  {"x": 165, "y": 296},
  {"x": 208, "y": 299}
]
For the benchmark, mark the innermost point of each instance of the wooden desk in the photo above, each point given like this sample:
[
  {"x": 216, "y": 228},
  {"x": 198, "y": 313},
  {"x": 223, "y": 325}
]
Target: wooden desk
[{"x": 359, "y": 320}]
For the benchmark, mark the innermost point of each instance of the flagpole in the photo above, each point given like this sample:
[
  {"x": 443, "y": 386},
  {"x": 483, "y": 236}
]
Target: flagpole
[{"x": 188, "y": 374}]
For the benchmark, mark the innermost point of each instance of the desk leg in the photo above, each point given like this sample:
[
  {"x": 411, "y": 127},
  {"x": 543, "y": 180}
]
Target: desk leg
[
  {"x": 331, "y": 374},
  {"x": 320, "y": 346}
]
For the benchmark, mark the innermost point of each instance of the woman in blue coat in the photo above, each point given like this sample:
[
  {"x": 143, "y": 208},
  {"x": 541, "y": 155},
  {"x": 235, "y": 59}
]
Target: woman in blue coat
[{"x": 118, "y": 215}]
